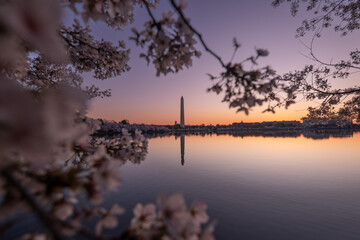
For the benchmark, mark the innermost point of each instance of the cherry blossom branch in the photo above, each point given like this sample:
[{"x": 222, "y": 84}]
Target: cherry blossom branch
[
  {"x": 329, "y": 12},
  {"x": 49, "y": 222},
  {"x": 181, "y": 14},
  {"x": 45, "y": 219},
  {"x": 344, "y": 92},
  {"x": 64, "y": 30},
  {"x": 314, "y": 58}
]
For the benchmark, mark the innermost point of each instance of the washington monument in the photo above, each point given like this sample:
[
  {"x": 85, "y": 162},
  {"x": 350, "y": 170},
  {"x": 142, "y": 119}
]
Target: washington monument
[{"x": 182, "y": 117}]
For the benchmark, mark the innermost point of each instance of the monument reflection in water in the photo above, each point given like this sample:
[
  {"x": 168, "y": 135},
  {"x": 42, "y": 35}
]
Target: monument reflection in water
[
  {"x": 182, "y": 143},
  {"x": 182, "y": 147}
]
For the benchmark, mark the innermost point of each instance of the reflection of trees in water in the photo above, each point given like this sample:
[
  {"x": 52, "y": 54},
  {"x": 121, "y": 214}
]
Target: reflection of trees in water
[
  {"x": 295, "y": 133},
  {"x": 323, "y": 134},
  {"x": 307, "y": 133}
]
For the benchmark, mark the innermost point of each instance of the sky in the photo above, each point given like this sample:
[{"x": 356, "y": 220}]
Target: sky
[{"x": 141, "y": 97}]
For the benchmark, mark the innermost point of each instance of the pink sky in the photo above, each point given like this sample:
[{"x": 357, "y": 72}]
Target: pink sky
[{"x": 141, "y": 97}]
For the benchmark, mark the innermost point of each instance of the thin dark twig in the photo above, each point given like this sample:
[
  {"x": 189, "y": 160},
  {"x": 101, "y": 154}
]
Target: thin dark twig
[
  {"x": 312, "y": 54},
  {"x": 233, "y": 55},
  {"x": 181, "y": 14},
  {"x": 356, "y": 90},
  {"x": 151, "y": 15}
]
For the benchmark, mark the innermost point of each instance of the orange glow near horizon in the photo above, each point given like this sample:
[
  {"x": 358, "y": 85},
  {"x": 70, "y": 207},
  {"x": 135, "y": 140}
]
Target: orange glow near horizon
[{"x": 197, "y": 116}]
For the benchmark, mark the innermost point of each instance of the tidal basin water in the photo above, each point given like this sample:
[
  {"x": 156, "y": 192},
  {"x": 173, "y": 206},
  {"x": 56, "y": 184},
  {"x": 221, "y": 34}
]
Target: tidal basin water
[{"x": 256, "y": 187}]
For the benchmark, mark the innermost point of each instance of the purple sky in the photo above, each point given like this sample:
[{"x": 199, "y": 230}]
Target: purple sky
[{"x": 141, "y": 97}]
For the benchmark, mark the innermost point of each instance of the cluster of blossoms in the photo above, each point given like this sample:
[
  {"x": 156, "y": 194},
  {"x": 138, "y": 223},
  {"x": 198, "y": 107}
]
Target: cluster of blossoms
[
  {"x": 346, "y": 11},
  {"x": 88, "y": 168},
  {"x": 88, "y": 54},
  {"x": 50, "y": 165},
  {"x": 43, "y": 74},
  {"x": 116, "y": 13},
  {"x": 326, "y": 114},
  {"x": 169, "y": 42},
  {"x": 125, "y": 148},
  {"x": 171, "y": 216},
  {"x": 28, "y": 26},
  {"x": 245, "y": 89}
]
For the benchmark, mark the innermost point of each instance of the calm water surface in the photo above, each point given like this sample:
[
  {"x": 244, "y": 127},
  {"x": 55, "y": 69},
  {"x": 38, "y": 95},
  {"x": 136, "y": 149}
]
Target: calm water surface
[{"x": 255, "y": 187}]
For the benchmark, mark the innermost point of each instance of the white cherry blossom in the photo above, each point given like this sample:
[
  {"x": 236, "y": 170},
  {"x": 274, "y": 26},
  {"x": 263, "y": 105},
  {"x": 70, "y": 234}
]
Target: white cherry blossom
[{"x": 108, "y": 218}]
